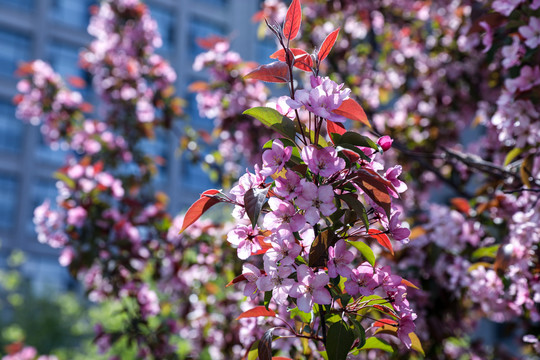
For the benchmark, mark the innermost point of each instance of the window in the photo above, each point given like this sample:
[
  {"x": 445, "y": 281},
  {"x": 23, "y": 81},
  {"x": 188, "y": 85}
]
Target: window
[
  {"x": 193, "y": 176},
  {"x": 199, "y": 29},
  {"x": 216, "y": 2},
  {"x": 75, "y": 13},
  {"x": 11, "y": 129},
  {"x": 18, "y": 4},
  {"x": 196, "y": 119},
  {"x": 8, "y": 201},
  {"x": 53, "y": 156},
  {"x": 165, "y": 21},
  {"x": 14, "y": 48},
  {"x": 64, "y": 59}
]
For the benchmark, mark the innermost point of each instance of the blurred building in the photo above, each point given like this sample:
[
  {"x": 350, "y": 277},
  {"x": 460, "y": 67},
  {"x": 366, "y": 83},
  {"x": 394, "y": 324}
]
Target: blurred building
[{"x": 55, "y": 30}]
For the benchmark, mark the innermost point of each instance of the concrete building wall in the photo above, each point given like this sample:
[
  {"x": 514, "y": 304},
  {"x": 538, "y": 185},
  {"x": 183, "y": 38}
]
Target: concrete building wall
[{"x": 55, "y": 30}]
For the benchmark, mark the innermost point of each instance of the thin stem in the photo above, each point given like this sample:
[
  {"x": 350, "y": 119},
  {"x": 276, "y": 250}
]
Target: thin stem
[{"x": 323, "y": 323}]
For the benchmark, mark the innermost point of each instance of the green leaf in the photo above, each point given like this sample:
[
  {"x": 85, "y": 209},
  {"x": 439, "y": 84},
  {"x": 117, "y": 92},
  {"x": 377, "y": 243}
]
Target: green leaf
[
  {"x": 254, "y": 200},
  {"x": 365, "y": 250},
  {"x": 339, "y": 340},
  {"x": 274, "y": 120},
  {"x": 354, "y": 138},
  {"x": 355, "y": 204},
  {"x": 515, "y": 152},
  {"x": 488, "y": 251},
  {"x": 65, "y": 179},
  {"x": 375, "y": 343},
  {"x": 267, "y": 298},
  {"x": 359, "y": 331}
]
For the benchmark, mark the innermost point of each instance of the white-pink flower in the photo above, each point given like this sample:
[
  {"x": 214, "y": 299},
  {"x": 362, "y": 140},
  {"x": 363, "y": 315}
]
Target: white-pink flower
[
  {"x": 531, "y": 32},
  {"x": 310, "y": 289}
]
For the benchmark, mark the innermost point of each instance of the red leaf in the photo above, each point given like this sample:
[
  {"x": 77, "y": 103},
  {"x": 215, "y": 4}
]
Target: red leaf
[
  {"x": 198, "y": 86},
  {"x": 256, "y": 312},
  {"x": 77, "y": 82},
  {"x": 334, "y": 128},
  {"x": 383, "y": 322},
  {"x": 276, "y": 72},
  {"x": 292, "y": 20},
  {"x": 302, "y": 60},
  {"x": 199, "y": 207},
  {"x": 264, "y": 245},
  {"x": 376, "y": 188},
  {"x": 239, "y": 278},
  {"x": 352, "y": 110},
  {"x": 327, "y": 44},
  {"x": 210, "y": 41},
  {"x": 382, "y": 239},
  {"x": 461, "y": 204}
]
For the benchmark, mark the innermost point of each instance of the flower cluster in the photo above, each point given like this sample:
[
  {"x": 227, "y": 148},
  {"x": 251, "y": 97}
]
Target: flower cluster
[{"x": 311, "y": 209}]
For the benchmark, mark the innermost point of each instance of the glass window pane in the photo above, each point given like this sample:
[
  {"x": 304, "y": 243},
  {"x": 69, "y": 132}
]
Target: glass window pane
[
  {"x": 75, "y": 13},
  {"x": 53, "y": 156},
  {"x": 201, "y": 28},
  {"x": 14, "y": 48},
  {"x": 193, "y": 176},
  {"x": 18, "y": 4},
  {"x": 158, "y": 149},
  {"x": 64, "y": 59},
  {"x": 11, "y": 129},
  {"x": 8, "y": 201},
  {"x": 165, "y": 21}
]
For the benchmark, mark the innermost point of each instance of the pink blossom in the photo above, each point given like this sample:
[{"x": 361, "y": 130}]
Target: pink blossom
[
  {"x": 310, "y": 289},
  {"x": 324, "y": 162},
  {"x": 316, "y": 201},
  {"x": 392, "y": 176},
  {"x": 488, "y": 37},
  {"x": 339, "y": 259},
  {"x": 245, "y": 239},
  {"x": 252, "y": 274},
  {"x": 324, "y": 97},
  {"x": 385, "y": 142},
  {"x": 531, "y": 32},
  {"x": 285, "y": 249},
  {"x": 277, "y": 281},
  {"x": 76, "y": 216},
  {"x": 527, "y": 78},
  {"x": 405, "y": 327},
  {"x": 361, "y": 281},
  {"x": 506, "y": 7},
  {"x": 512, "y": 53},
  {"x": 283, "y": 215},
  {"x": 275, "y": 158},
  {"x": 399, "y": 233},
  {"x": 288, "y": 187}
]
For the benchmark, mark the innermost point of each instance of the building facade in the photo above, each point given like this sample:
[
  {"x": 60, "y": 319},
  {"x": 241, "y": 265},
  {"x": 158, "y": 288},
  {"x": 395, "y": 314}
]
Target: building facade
[{"x": 55, "y": 31}]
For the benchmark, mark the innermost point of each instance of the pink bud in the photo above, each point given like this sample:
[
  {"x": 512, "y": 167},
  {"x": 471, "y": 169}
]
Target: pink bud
[{"x": 385, "y": 142}]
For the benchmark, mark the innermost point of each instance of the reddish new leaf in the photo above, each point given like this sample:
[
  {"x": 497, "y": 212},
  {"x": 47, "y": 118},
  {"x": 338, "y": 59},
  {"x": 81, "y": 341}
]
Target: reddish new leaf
[
  {"x": 210, "y": 41},
  {"x": 264, "y": 246},
  {"x": 276, "y": 72},
  {"x": 334, "y": 128},
  {"x": 376, "y": 188},
  {"x": 409, "y": 284},
  {"x": 461, "y": 204},
  {"x": 292, "y": 20},
  {"x": 383, "y": 322},
  {"x": 382, "y": 239},
  {"x": 327, "y": 44},
  {"x": 77, "y": 82},
  {"x": 352, "y": 110},
  {"x": 236, "y": 280},
  {"x": 302, "y": 60},
  {"x": 199, "y": 207},
  {"x": 256, "y": 312}
]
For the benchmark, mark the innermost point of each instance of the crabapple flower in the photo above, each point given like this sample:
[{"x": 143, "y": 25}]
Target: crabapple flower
[
  {"x": 288, "y": 187},
  {"x": 487, "y": 41},
  {"x": 283, "y": 215},
  {"x": 245, "y": 238},
  {"x": 324, "y": 162},
  {"x": 361, "y": 281},
  {"x": 399, "y": 233},
  {"x": 385, "y": 142},
  {"x": 512, "y": 53},
  {"x": 310, "y": 289},
  {"x": 277, "y": 281},
  {"x": 324, "y": 97},
  {"x": 252, "y": 274},
  {"x": 275, "y": 158},
  {"x": 392, "y": 176},
  {"x": 316, "y": 201},
  {"x": 284, "y": 248},
  {"x": 339, "y": 259},
  {"x": 531, "y": 32},
  {"x": 405, "y": 327},
  {"x": 76, "y": 216}
]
